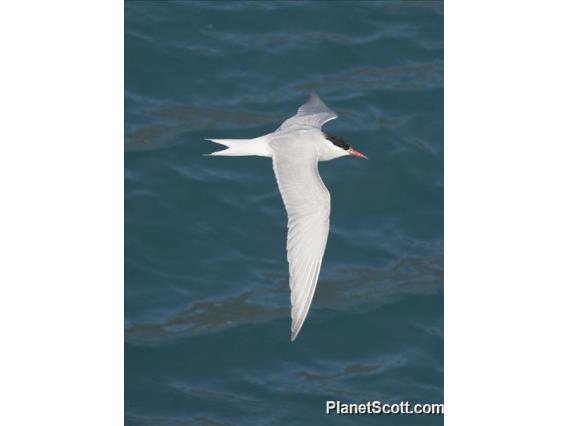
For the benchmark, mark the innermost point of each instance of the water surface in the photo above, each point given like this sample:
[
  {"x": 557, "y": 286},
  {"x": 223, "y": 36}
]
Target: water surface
[{"x": 206, "y": 292}]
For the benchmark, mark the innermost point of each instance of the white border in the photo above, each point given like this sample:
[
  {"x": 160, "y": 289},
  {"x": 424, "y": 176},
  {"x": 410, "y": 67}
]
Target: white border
[
  {"x": 506, "y": 211},
  {"x": 61, "y": 174}
]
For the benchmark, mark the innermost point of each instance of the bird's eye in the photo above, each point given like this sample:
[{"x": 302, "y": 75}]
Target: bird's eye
[{"x": 345, "y": 146}]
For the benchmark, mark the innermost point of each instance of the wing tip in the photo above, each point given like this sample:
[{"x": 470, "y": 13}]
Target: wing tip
[
  {"x": 297, "y": 327},
  {"x": 294, "y": 335},
  {"x": 314, "y": 95}
]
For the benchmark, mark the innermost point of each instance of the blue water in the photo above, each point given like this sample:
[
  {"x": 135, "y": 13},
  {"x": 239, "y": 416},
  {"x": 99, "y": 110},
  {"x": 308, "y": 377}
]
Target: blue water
[{"x": 207, "y": 327}]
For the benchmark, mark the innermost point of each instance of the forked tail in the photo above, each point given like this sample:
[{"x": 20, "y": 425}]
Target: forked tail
[{"x": 238, "y": 147}]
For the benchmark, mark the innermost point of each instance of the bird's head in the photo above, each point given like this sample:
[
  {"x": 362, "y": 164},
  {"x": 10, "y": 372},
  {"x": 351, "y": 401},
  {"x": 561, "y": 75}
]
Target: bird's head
[{"x": 341, "y": 147}]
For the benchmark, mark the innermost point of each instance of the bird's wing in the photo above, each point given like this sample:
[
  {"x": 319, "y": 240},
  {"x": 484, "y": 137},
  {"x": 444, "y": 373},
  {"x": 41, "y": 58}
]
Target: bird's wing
[
  {"x": 307, "y": 203},
  {"x": 312, "y": 115}
]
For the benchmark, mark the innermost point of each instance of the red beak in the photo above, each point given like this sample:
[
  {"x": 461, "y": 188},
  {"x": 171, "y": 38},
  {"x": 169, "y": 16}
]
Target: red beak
[{"x": 356, "y": 153}]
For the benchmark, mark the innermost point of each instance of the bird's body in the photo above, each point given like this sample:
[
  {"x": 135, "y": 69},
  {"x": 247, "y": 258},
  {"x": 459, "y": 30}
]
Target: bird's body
[{"x": 296, "y": 147}]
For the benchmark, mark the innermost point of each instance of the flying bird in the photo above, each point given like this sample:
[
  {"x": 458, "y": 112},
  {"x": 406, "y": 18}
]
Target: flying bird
[{"x": 296, "y": 147}]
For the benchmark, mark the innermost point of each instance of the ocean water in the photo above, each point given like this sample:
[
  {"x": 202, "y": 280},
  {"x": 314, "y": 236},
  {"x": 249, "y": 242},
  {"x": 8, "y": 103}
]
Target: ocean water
[{"x": 207, "y": 310}]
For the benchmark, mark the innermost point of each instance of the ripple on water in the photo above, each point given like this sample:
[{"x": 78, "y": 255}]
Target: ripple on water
[{"x": 351, "y": 289}]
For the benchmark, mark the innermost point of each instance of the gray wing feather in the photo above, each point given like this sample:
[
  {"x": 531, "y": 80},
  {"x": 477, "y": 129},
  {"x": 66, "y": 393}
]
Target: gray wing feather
[
  {"x": 312, "y": 115},
  {"x": 307, "y": 203}
]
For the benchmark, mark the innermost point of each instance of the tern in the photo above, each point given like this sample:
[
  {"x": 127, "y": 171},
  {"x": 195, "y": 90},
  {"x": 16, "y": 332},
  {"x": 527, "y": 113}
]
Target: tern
[{"x": 296, "y": 147}]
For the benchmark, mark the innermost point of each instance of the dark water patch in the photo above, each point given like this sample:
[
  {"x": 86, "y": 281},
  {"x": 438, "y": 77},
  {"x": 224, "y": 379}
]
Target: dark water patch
[{"x": 350, "y": 289}]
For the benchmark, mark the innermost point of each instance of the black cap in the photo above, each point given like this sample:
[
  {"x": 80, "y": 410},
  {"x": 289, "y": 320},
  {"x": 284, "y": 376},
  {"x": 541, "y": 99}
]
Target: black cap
[{"x": 336, "y": 140}]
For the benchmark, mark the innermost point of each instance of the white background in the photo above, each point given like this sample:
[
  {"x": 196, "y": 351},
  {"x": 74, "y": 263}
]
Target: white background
[{"x": 61, "y": 212}]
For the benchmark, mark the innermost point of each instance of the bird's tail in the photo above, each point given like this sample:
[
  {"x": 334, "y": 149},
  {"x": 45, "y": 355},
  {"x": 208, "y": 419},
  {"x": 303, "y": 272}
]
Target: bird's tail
[{"x": 237, "y": 147}]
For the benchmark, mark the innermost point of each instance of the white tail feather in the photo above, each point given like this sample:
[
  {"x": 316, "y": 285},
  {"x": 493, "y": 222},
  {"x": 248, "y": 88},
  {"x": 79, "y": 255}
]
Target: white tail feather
[{"x": 239, "y": 147}]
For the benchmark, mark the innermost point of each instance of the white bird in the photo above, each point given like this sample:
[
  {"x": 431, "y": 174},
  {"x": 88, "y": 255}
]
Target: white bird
[{"x": 295, "y": 148}]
